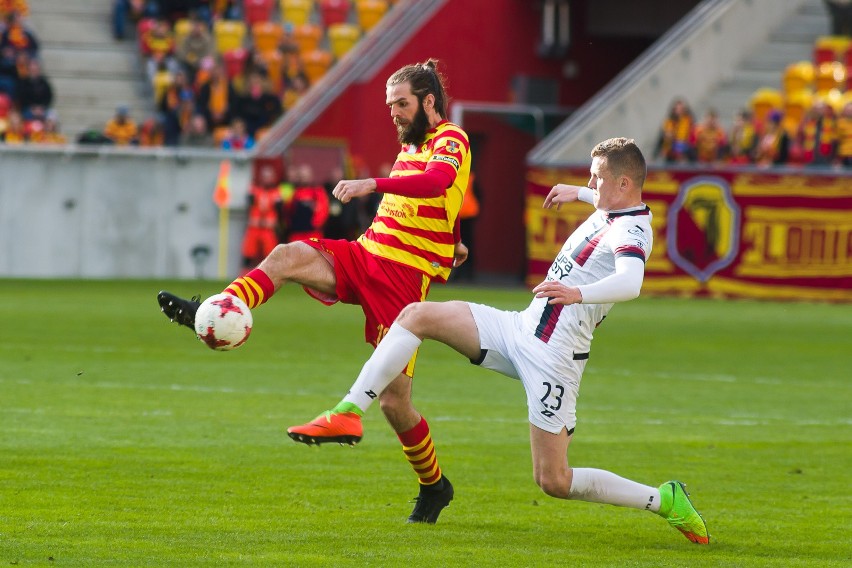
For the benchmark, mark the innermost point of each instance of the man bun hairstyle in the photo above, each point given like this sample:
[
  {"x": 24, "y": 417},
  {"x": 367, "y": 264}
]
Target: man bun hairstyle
[
  {"x": 424, "y": 79},
  {"x": 623, "y": 157}
]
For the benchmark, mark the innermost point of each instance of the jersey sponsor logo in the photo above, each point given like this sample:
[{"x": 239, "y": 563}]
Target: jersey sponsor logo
[
  {"x": 562, "y": 266},
  {"x": 703, "y": 229},
  {"x": 448, "y": 159}
]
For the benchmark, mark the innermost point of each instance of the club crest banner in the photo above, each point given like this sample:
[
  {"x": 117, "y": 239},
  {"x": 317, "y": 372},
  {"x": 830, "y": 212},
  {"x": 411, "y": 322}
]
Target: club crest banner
[{"x": 721, "y": 233}]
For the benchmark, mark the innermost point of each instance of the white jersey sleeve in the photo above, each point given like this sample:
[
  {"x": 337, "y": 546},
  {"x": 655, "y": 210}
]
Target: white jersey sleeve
[{"x": 621, "y": 286}]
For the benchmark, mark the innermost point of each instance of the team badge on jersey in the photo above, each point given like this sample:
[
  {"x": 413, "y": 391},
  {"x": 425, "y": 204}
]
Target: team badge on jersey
[
  {"x": 703, "y": 227},
  {"x": 452, "y": 147}
]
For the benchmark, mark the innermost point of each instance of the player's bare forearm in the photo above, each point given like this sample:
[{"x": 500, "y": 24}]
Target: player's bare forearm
[
  {"x": 349, "y": 189},
  {"x": 561, "y": 193},
  {"x": 558, "y": 293}
]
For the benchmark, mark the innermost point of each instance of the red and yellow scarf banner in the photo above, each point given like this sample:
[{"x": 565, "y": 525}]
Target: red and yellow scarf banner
[{"x": 721, "y": 233}]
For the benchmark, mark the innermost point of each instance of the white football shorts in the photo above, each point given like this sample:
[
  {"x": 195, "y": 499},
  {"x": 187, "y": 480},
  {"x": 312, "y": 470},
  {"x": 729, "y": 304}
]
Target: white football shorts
[{"x": 551, "y": 378}]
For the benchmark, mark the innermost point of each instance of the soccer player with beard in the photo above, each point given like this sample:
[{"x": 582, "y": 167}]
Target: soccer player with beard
[{"x": 413, "y": 241}]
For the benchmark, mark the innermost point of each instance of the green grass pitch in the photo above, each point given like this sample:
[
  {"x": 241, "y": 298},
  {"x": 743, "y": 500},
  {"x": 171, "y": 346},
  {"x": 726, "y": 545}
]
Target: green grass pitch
[{"x": 126, "y": 442}]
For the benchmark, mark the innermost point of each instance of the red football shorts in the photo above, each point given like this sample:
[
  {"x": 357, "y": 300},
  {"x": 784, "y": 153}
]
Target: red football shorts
[{"x": 381, "y": 287}]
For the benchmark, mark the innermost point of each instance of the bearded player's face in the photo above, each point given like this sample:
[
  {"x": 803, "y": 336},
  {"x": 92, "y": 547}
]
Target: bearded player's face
[{"x": 407, "y": 113}]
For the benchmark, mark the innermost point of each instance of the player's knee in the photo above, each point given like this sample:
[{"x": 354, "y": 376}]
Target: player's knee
[
  {"x": 553, "y": 485},
  {"x": 411, "y": 317}
]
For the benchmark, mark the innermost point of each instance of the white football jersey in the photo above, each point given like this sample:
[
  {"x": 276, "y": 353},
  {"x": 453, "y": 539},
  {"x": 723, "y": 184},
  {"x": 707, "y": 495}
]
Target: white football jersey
[{"x": 586, "y": 257}]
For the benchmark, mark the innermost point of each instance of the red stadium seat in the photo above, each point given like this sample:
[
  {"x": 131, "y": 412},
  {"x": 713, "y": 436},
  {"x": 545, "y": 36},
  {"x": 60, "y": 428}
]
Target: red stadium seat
[
  {"x": 334, "y": 11},
  {"x": 235, "y": 61},
  {"x": 257, "y": 11},
  {"x": 830, "y": 48}
]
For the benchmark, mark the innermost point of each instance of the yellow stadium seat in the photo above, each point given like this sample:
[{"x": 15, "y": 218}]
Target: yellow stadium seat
[
  {"x": 296, "y": 12},
  {"x": 370, "y": 12},
  {"x": 316, "y": 64},
  {"x": 307, "y": 37},
  {"x": 798, "y": 76},
  {"x": 342, "y": 37},
  {"x": 266, "y": 35},
  {"x": 229, "y": 34},
  {"x": 182, "y": 27},
  {"x": 764, "y": 101}
]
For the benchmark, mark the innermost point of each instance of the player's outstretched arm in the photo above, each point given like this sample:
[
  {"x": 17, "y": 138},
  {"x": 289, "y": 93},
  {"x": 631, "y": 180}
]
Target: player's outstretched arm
[{"x": 564, "y": 193}]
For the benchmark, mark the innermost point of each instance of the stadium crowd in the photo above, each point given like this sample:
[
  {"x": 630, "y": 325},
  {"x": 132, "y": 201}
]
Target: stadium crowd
[
  {"x": 26, "y": 94},
  {"x": 222, "y": 71},
  {"x": 808, "y": 122}
]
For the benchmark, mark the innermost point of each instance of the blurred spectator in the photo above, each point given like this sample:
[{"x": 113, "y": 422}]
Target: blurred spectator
[
  {"x": 265, "y": 215},
  {"x": 342, "y": 221},
  {"x": 17, "y": 37},
  {"x": 709, "y": 139},
  {"x": 197, "y": 45},
  {"x": 49, "y": 133},
  {"x": 226, "y": 9},
  {"x": 9, "y": 71},
  {"x": 817, "y": 135},
  {"x": 774, "y": 144},
  {"x": 151, "y": 132},
  {"x": 160, "y": 43},
  {"x": 130, "y": 11},
  {"x": 673, "y": 144},
  {"x": 196, "y": 133},
  {"x": 743, "y": 139},
  {"x": 176, "y": 106},
  {"x": 121, "y": 129},
  {"x": 34, "y": 90},
  {"x": 258, "y": 107},
  {"x": 19, "y": 6},
  {"x": 840, "y": 12},
  {"x": 307, "y": 209},
  {"x": 844, "y": 136},
  {"x": 14, "y": 133},
  {"x": 294, "y": 89},
  {"x": 217, "y": 98},
  {"x": 238, "y": 138}
]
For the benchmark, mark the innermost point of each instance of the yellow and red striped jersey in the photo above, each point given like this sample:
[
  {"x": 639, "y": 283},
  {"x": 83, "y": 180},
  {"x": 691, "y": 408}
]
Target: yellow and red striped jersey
[{"x": 418, "y": 232}]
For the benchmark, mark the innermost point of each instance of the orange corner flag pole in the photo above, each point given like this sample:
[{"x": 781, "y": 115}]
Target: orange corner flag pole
[{"x": 221, "y": 197}]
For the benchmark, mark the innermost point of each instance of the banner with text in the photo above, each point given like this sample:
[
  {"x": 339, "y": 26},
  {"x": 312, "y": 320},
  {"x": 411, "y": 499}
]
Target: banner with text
[{"x": 721, "y": 233}]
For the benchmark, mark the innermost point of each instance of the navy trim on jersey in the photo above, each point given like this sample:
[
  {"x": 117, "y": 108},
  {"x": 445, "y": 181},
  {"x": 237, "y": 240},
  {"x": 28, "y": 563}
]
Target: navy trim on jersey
[
  {"x": 630, "y": 213},
  {"x": 547, "y": 322}
]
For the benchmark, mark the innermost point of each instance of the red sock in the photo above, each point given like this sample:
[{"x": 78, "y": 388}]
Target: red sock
[
  {"x": 254, "y": 288},
  {"x": 420, "y": 453}
]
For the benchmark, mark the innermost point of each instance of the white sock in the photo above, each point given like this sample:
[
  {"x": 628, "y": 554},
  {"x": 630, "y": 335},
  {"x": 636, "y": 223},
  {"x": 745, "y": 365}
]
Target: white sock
[
  {"x": 600, "y": 486},
  {"x": 387, "y": 362}
]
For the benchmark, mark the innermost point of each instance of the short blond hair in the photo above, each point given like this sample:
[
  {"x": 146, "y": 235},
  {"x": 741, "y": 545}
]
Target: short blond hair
[{"x": 623, "y": 157}]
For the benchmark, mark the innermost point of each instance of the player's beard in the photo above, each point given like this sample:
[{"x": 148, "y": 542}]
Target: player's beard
[{"x": 415, "y": 131}]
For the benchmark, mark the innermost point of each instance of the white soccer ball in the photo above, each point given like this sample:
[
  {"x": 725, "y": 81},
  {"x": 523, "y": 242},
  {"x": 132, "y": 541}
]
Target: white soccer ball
[{"x": 223, "y": 322}]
